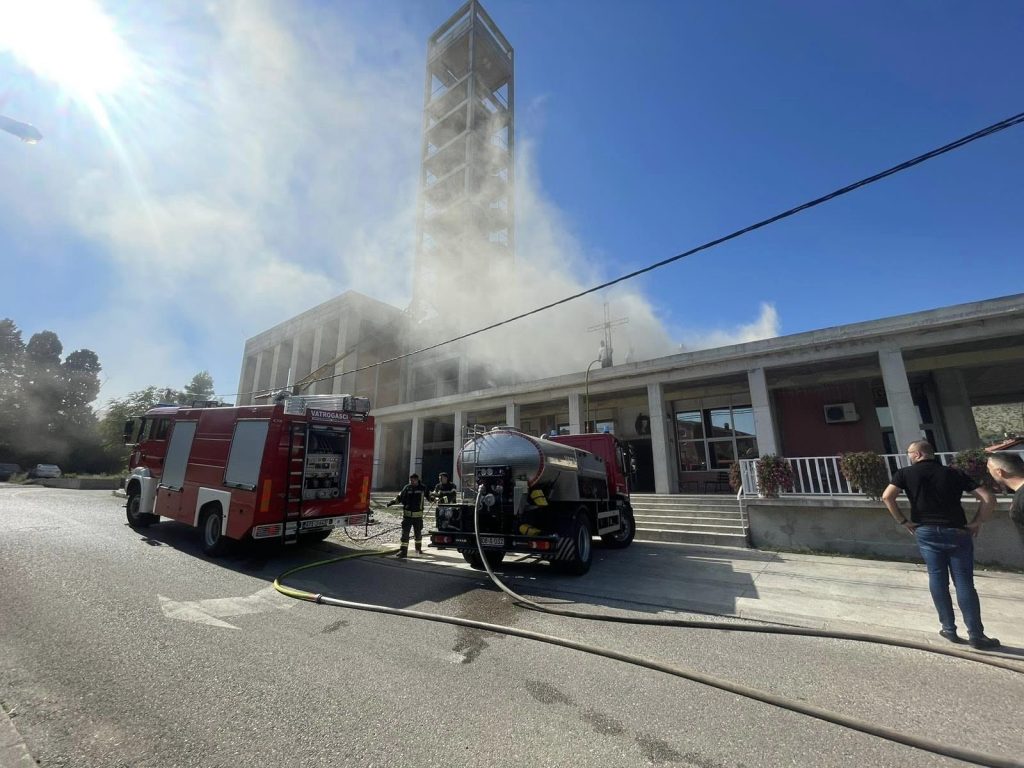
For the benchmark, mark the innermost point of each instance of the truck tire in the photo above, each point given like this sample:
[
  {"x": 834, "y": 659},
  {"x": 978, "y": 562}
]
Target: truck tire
[
  {"x": 494, "y": 558},
  {"x": 582, "y": 547},
  {"x": 624, "y": 537},
  {"x": 211, "y": 523},
  {"x": 137, "y": 519}
]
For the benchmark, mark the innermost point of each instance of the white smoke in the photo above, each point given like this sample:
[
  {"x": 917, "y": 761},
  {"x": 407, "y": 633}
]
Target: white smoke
[{"x": 268, "y": 160}]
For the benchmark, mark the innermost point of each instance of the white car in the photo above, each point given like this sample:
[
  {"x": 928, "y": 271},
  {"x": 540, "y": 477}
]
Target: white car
[{"x": 44, "y": 470}]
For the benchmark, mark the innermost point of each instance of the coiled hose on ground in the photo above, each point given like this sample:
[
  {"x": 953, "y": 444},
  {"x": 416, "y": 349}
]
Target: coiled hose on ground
[{"x": 820, "y": 713}]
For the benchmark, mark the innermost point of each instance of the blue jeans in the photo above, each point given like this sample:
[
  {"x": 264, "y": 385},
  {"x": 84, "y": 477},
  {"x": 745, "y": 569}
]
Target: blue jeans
[{"x": 951, "y": 551}]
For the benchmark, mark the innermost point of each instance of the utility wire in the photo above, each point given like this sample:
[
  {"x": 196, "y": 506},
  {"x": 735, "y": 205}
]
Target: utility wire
[{"x": 961, "y": 142}]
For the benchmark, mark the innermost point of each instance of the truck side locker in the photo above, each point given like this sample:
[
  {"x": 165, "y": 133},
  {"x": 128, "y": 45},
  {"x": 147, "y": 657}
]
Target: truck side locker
[{"x": 293, "y": 486}]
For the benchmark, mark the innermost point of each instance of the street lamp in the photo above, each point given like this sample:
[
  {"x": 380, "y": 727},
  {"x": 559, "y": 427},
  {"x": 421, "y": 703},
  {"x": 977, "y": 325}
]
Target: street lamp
[
  {"x": 586, "y": 387},
  {"x": 24, "y": 131}
]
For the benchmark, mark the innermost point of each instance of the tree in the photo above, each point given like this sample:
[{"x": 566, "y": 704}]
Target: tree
[
  {"x": 12, "y": 371},
  {"x": 119, "y": 410},
  {"x": 200, "y": 388}
]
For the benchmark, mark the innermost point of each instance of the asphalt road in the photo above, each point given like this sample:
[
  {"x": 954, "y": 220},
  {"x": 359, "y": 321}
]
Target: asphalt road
[{"x": 119, "y": 648}]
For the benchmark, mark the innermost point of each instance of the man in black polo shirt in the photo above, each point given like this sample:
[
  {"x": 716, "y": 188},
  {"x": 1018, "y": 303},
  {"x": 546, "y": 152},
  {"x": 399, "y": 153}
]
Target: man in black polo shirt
[{"x": 944, "y": 536}]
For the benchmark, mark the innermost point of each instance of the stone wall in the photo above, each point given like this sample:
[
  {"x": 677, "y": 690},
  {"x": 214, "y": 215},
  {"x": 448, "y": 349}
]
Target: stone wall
[{"x": 857, "y": 526}]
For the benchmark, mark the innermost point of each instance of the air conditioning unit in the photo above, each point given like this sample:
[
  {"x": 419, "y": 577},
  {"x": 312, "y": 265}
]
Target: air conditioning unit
[{"x": 841, "y": 413}]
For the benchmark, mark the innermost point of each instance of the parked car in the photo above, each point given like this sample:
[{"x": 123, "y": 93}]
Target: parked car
[
  {"x": 44, "y": 470},
  {"x": 8, "y": 470}
]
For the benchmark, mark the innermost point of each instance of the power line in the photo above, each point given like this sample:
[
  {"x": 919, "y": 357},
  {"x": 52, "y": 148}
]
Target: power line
[{"x": 957, "y": 144}]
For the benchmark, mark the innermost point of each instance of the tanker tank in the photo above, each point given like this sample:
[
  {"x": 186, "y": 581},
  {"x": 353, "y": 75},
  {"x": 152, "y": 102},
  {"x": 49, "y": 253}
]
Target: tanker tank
[{"x": 538, "y": 461}]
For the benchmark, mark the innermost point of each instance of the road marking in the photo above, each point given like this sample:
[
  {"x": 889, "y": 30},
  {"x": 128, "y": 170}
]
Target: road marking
[{"x": 213, "y": 610}]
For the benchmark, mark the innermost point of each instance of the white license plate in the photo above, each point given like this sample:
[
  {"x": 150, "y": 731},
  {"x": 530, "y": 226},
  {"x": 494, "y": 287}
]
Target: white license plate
[
  {"x": 322, "y": 522},
  {"x": 492, "y": 541}
]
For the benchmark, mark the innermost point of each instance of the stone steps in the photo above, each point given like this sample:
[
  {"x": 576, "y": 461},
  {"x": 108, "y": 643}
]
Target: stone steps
[
  {"x": 689, "y": 519},
  {"x": 682, "y": 519}
]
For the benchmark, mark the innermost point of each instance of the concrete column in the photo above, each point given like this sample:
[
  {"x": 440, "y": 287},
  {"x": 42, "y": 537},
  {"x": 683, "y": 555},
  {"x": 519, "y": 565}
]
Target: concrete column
[
  {"x": 955, "y": 403},
  {"x": 244, "y": 384},
  {"x": 274, "y": 383},
  {"x": 256, "y": 377},
  {"x": 575, "y": 413},
  {"x": 416, "y": 446},
  {"x": 659, "y": 439},
  {"x": 293, "y": 366},
  {"x": 344, "y": 341},
  {"x": 318, "y": 340},
  {"x": 764, "y": 421},
  {"x": 460, "y": 423},
  {"x": 380, "y": 447},
  {"x": 905, "y": 421},
  {"x": 513, "y": 412}
]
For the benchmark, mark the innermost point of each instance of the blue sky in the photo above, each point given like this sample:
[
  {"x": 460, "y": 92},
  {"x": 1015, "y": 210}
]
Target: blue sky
[{"x": 257, "y": 158}]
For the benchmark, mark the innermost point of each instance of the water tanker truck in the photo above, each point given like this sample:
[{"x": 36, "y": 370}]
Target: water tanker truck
[{"x": 534, "y": 495}]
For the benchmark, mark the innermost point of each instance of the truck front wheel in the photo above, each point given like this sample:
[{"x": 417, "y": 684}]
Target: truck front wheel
[
  {"x": 582, "y": 549},
  {"x": 211, "y": 525},
  {"x": 627, "y": 529},
  {"x": 136, "y": 518}
]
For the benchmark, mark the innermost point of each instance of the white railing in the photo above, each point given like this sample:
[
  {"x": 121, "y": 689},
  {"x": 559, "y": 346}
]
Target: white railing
[{"x": 821, "y": 476}]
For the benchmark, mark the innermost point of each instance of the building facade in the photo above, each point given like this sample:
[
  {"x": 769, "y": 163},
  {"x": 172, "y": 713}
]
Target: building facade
[{"x": 875, "y": 386}]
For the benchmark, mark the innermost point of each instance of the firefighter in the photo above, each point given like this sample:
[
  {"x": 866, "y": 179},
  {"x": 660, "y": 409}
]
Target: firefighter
[
  {"x": 445, "y": 490},
  {"x": 413, "y": 498}
]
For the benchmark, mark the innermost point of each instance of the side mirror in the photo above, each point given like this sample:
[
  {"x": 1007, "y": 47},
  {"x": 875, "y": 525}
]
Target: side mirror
[{"x": 129, "y": 431}]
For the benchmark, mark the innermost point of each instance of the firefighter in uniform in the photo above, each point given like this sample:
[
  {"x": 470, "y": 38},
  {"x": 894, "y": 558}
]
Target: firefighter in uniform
[
  {"x": 413, "y": 499},
  {"x": 445, "y": 490}
]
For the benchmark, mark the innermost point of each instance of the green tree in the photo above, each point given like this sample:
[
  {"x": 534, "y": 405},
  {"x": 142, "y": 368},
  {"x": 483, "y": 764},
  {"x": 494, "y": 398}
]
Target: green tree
[
  {"x": 12, "y": 371},
  {"x": 200, "y": 388},
  {"x": 119, "y": 410}
]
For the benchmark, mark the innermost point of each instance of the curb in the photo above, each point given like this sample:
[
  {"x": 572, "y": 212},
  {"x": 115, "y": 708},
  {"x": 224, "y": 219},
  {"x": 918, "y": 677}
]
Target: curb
[{"x": 13, "y": 751}]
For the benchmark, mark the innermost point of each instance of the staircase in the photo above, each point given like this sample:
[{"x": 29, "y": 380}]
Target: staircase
[{"x": 689, "y": 519}]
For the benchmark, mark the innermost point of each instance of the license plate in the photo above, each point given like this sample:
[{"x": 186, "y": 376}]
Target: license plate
[
  {"x": 322, "y": 522},
  {"x": 492, "y": 541}
]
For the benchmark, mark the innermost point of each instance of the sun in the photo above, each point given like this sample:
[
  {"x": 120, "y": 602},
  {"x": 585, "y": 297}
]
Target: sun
[{"x": 73, "y": 43}]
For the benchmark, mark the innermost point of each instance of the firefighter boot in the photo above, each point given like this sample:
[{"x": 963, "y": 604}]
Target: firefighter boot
[
  {"x": 403, "y": 551},
  {"x": 419, "y": 548}
]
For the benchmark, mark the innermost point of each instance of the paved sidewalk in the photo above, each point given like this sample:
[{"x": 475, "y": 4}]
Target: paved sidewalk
[{"x": 825, "y": 592}]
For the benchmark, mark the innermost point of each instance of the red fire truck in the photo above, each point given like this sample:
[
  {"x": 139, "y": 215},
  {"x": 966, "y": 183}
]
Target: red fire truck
[
  {"x": 543, "y": 496},
  {"x": 294, "y": 469}
]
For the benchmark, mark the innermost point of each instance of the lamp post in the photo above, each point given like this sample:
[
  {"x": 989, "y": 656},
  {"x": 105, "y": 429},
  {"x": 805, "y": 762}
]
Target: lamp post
[
  {"x": 24, "y": 131},
  {"x": 586, "y": 388}
]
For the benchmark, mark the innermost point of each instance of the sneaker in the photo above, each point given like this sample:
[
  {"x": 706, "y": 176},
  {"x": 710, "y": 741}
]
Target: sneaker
[
  {"x": 983, "y": 643},
  {"x": 951, "y": 635}
]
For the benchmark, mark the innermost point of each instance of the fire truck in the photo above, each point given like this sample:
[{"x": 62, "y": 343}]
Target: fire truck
[
  {"x": 293, "y": 469},
  {"x": 543, "y": 496}
]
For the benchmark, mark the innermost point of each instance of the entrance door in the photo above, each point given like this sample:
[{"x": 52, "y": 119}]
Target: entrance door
[{"x": 644, "y": 466}]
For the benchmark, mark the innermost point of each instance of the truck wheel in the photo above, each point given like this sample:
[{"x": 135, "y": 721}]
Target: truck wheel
[
  {"x": 137, "y": 519},
  {"x": 624, "y": 537},
  {"x": 582, "y": 549},
  {"x": 494, "y": 558},
  {"x": 211, "y": 522}
]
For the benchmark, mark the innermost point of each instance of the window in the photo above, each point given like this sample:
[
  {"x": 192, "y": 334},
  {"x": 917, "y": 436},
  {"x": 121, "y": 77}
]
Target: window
[
  {"x": 177, "y": 454},
  {"x": 714, "y": 438},
  {"x": 246, "y": 455},
  {"x": 160, "y": 429}
]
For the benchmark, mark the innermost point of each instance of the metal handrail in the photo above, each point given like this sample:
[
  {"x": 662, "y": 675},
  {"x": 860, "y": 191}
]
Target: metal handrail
[{"x": 822, "y": 476}]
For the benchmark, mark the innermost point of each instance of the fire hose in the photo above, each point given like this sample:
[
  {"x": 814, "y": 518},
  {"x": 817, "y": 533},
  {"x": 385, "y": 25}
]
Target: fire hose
[{"x": 820, "y": 713}]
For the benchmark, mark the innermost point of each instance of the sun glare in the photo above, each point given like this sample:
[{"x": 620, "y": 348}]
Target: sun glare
[{"x": 73, "y": 43}]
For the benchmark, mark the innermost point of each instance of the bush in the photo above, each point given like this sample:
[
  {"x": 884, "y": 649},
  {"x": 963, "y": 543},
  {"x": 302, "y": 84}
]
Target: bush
[
  {"x": 866, "y": 472},
  {"x": 975, "y": 463},
  {"x": 774, "y": 474}
]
